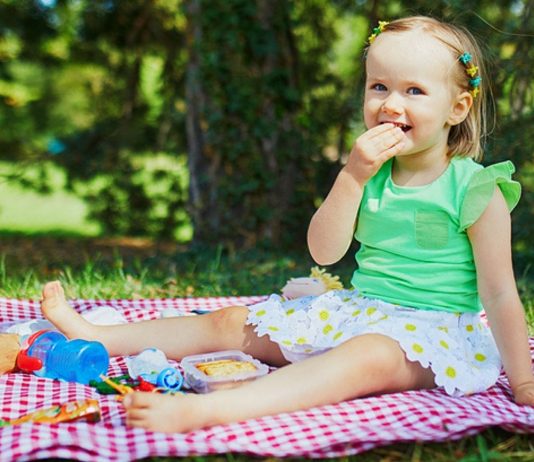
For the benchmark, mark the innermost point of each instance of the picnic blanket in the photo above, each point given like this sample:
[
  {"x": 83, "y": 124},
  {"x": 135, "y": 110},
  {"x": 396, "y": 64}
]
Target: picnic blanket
[{"x": 328, "y": 431}]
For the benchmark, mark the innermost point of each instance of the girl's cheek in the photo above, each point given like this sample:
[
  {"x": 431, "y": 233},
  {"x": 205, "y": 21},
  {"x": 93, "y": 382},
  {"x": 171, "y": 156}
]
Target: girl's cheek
[{"x": 368, "y": 119}]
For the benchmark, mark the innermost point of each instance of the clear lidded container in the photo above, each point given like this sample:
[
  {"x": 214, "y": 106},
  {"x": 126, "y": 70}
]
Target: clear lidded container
[{"x": 203, "y": 382}]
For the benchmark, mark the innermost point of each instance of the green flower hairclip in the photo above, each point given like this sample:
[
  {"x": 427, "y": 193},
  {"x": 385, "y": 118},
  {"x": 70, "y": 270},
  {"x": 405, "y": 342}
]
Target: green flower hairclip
[
  {"x": 377, "y": 31},
  {"x": 471, "y": 70}
]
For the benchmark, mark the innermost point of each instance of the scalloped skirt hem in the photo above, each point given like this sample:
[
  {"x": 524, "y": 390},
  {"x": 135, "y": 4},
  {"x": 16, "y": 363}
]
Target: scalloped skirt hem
[{"x": 459, "y": 348}]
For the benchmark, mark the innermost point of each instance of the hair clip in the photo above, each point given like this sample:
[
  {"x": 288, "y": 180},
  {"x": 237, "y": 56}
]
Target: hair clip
[
  {"x": 471, "y": 70},
  {"x": 377, "y": 31}
]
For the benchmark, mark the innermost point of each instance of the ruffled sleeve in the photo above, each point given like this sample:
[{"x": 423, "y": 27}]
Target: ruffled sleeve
[{"x": 480, "y": 191}]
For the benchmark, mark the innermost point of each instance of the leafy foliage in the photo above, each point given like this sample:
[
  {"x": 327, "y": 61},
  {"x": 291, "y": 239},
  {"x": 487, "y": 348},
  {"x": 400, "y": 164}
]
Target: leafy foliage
[{"x": 258, "y": 101}]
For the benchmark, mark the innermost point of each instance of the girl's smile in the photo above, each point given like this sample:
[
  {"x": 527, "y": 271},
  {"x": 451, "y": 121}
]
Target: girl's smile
[{"x": 403, "y": 127}]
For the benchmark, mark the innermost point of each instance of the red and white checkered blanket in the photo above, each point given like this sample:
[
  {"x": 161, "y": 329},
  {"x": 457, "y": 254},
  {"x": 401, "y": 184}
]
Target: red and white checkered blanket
[{"x": 329, "y": 431}]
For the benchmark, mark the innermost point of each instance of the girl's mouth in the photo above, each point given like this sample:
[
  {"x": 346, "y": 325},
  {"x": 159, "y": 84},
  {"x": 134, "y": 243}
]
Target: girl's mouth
[{"x": 403, "y": 127}]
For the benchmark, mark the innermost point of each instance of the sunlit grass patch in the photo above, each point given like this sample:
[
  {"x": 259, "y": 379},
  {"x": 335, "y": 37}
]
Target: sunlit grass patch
[{"x": 29, "y": 211}]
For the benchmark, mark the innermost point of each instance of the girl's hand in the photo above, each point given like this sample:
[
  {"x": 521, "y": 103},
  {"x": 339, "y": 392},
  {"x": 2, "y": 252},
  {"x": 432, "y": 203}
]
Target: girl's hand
[
  {"x": 524, "y": 393},
  {"x": 372, "y": 149}
]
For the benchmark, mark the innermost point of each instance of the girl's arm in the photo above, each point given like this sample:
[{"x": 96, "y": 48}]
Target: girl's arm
[
  {"x": 332, "y": 226},
  {"x": 490, "y": 238}
]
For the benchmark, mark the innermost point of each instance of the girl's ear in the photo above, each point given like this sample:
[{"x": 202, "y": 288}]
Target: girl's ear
[{"x": 460, "y": 108}]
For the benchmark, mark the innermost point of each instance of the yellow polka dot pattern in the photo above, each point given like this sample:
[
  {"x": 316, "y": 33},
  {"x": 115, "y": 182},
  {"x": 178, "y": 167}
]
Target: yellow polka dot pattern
[{"x": 417, "y": 348}]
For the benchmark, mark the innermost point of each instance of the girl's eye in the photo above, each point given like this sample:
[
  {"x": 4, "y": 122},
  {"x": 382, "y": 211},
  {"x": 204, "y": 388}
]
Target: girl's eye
[
  {"x": 378, "y": 87},
  {"x": 415, "y": 91}
]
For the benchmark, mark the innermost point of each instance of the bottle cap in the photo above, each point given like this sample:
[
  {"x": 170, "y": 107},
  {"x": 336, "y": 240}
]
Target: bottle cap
[
  {"x": 25, "y": 362},
  {"x": 170, "y": 379}
]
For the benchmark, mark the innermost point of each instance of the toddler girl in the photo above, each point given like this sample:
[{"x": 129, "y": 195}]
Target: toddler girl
[{"x": 434, "y": 230}]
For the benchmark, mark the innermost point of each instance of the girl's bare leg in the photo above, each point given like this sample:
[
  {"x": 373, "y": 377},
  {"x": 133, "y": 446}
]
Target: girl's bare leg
[
  {"x": 224, "y": 329},
  {"x": 365, "y": 365}
]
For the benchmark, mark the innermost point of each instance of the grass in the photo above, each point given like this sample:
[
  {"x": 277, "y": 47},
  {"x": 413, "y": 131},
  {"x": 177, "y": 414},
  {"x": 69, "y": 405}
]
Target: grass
[
  {"x": 170, "y": 272},
  {"x": 25, "y": 209},
  {"x": 60, "y": 211}
]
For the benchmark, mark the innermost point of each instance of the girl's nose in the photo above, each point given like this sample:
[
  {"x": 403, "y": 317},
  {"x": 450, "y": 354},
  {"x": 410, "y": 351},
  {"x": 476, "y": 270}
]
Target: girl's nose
[{"x": 392, "y": 104}]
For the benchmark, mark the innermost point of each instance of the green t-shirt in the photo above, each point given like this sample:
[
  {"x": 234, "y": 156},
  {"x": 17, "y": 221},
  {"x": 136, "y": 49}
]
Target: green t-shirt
[{"x": 414, "y": 246}]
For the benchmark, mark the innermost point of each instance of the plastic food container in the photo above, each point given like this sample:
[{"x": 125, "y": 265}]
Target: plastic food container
[{"x": 201, "y": 382}]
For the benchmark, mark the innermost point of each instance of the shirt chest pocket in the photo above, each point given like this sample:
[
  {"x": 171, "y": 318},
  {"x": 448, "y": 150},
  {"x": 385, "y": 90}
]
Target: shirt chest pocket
[{"x": 431, "y": 229}]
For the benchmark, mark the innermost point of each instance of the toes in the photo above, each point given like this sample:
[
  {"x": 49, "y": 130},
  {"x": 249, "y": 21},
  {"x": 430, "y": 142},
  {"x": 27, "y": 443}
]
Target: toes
[
  {"x": 138, "y": 400},
  {"x": 138, "y": 412},
  {"x": 53, "y": 290},
  {"x": 136, "y": 415},
  {"x": 144, "y": 419},
  {"x": 155, "y": 412},
  {"x": 136, "y": 420}
]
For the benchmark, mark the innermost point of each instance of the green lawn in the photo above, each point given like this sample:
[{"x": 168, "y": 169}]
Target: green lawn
[
  {"x": 62, "y": 212},
  {"x": 211, "y": 272},
  {"x": 25, "y": 210}
]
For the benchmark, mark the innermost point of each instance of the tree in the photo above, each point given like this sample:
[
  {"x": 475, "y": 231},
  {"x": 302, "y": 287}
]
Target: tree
[
  {"x": 247, "y": 150},
  {"x": 234, "y": 114}
]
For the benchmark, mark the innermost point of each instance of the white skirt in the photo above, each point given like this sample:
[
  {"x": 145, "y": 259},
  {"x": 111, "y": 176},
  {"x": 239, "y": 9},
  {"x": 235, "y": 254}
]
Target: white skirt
[{"x": 459, "y": 348}]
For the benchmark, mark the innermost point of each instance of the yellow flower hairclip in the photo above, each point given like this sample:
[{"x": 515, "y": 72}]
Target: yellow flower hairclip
[
  {"x": 472, "y": 71},
  {"x": 377, "y": 31}
]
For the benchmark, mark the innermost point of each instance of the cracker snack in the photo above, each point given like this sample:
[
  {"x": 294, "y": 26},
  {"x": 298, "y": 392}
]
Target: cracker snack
[{"x": 225, "y": 367}]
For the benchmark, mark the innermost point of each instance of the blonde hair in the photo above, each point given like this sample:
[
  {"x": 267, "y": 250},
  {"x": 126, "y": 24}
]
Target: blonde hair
[{"x": 465, "y": 139}]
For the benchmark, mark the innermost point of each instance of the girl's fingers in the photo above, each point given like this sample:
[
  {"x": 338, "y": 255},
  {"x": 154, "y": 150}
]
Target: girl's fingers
[
  {"x": 391, "y": 152},
  {"x": 379, "y": 130},
  {"x": 389, "y": 139},
  {"x": 373, "y": 148},
  {"x": 375, "y": 144}
]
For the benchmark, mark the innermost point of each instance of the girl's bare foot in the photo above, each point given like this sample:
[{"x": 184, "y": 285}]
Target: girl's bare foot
[
  {"x": 56, "y": 309},
  {"x": 165, "y": 413}
]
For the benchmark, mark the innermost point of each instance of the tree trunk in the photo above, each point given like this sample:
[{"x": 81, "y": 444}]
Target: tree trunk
[
  {"x": 201, "y": 188},
  {"x": 272, "y": 14}
]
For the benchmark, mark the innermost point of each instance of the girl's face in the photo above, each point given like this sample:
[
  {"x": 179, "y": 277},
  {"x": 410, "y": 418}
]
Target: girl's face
[{"x": 409, "y": 84}]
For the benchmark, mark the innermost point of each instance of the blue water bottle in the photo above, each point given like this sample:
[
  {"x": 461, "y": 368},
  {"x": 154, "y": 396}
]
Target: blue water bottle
[{"x": 50, "y": 354}]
